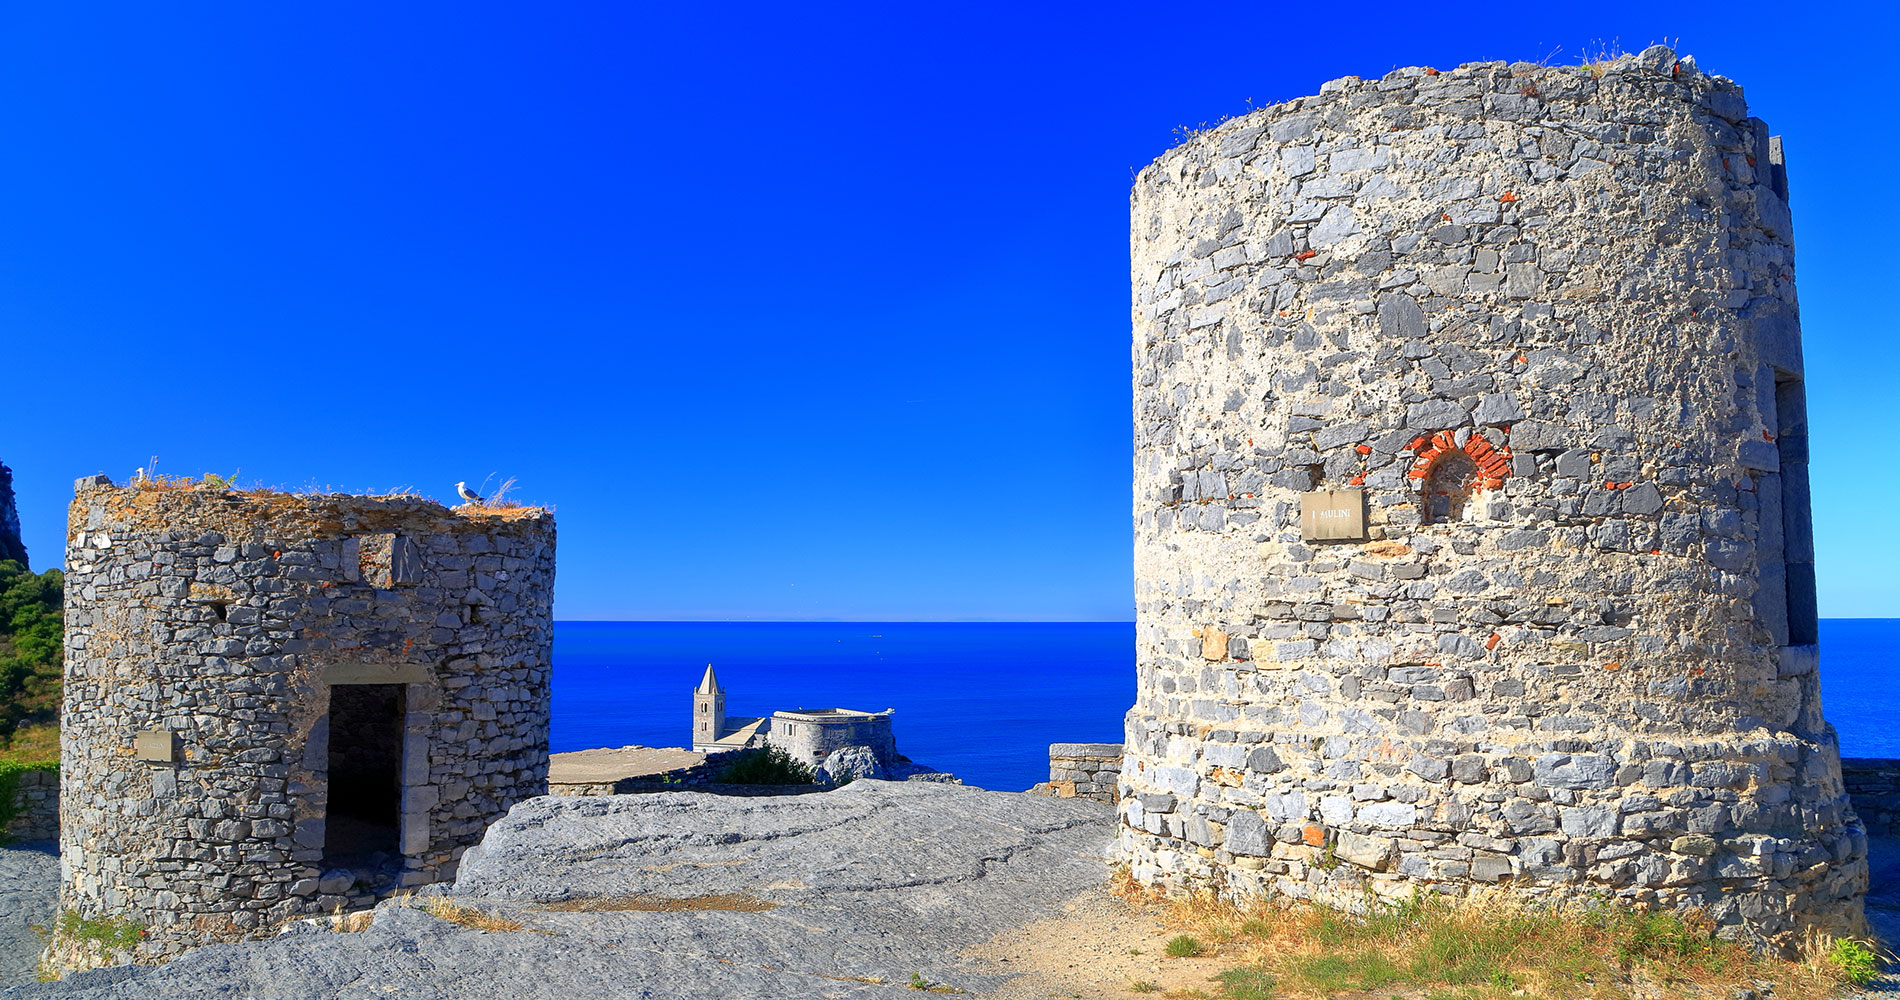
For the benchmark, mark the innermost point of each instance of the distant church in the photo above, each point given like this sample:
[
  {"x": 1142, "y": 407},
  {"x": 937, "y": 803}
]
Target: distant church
[{"x": 808, "y": 734}]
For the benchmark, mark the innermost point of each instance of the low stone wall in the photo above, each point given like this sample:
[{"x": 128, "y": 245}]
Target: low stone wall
[
  {"x": 1874, "y": 785},
  {"x": 695, "y": 777},
  {"x": 35, "y": 813},
  {"x": 1083, "y": 771}
]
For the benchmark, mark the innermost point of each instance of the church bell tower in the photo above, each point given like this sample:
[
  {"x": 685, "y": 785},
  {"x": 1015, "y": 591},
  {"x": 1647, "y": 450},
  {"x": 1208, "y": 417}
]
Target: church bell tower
[{"x": 709, "y": 711}]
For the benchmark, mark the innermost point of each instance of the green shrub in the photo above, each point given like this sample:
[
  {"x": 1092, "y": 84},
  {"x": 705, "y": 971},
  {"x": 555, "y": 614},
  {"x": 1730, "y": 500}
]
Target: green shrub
[
  {"x": 765, "y": 766},
  {"x": 1857, "y": 961}
]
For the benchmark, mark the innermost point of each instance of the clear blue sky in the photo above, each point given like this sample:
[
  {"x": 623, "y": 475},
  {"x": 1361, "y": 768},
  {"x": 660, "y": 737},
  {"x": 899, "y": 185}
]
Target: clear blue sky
[{"x": 792, "y": 311}]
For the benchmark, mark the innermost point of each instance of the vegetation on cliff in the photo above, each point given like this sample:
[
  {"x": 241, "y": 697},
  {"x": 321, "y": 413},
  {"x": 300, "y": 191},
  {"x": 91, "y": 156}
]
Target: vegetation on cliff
[
  {"x": 30, "y": 655},
  {"x": 765, "y": 766}
]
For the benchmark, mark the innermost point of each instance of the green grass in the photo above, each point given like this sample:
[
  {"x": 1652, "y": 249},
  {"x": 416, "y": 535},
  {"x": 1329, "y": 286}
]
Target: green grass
[
  {"x": 1184, "y": 946},
  {"x": 113, "y": 932},
  {"x": 1246, "y": 984}
]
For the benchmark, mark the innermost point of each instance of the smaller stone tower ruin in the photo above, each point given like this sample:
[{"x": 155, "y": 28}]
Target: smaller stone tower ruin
[{"x": 279, "y": 705}]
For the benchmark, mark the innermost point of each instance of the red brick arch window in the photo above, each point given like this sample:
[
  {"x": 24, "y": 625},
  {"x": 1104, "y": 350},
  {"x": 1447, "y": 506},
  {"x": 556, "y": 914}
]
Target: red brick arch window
[{"x": 1448, "y": 475}]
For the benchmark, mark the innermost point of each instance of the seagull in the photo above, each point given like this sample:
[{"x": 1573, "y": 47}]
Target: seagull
[{"x": 462, "y": 490}]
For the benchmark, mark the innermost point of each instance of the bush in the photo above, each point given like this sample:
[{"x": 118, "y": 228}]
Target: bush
[
  {"x": 765, "y": 766},
  {"x": 1857, "y": 961}
]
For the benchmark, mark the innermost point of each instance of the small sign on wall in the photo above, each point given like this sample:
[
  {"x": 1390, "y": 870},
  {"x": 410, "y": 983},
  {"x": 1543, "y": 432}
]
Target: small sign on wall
[
  {"x": 153, "y": 745},
  {"x": 1333, "y": 516}
]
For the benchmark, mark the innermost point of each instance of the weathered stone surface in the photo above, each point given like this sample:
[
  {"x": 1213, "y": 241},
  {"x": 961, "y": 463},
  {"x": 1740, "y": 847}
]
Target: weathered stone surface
[
  {"x": 1367, "y": 852},
  {"x": 803, "y": 897},
  {"x": 29, "y": 894},
  {"x": 1587, "y": 534}
]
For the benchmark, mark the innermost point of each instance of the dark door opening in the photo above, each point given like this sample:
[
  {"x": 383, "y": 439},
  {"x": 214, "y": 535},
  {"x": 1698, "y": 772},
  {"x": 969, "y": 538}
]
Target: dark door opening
[{"x": 362, "y": 828}]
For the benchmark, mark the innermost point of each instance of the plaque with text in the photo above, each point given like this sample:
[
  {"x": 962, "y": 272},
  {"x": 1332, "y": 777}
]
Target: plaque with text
[
  {"x": 153, "y": 745},
  {"x": 1333, "y": 516}
]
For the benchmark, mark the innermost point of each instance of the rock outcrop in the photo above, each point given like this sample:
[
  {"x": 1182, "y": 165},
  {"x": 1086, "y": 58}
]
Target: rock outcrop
[
  {"x": 11, "y": 547},
  {"x": 685, "y": 894}
]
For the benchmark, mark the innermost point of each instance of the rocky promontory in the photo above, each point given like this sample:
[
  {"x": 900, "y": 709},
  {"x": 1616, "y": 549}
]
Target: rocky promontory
[{"x": 685, "y": 894}]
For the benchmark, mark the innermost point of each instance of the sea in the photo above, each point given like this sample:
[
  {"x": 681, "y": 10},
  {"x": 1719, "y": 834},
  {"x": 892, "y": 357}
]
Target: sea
[{"x": 984, "y": 700}]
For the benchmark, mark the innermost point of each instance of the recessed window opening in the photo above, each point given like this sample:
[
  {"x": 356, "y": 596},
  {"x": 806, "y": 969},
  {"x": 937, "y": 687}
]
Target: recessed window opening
[
  {"x": 1448, "y": 486},
  {"x": 1797, "y": 525}
]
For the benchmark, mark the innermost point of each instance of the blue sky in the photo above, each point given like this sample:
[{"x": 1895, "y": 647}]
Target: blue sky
[{"x": 791, "y": 311}]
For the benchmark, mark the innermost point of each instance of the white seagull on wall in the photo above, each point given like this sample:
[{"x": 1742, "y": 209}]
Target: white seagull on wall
[{"x": 462, "y": 490}]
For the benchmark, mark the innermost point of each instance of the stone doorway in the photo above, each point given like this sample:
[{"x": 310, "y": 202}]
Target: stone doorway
[{"x": 363, "y": 821}]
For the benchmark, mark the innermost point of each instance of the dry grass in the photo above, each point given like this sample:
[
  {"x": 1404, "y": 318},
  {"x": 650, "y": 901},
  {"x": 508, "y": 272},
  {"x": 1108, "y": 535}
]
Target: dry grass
[
  {"x": 31, "y": 744},
  {"x": 443, "y": 908},
  {"x": 500, "y": 501},
  {"x": 1498, "y": 948},
  {"x": 352, "y": 923},
  {"x": 148, "y": 479}
]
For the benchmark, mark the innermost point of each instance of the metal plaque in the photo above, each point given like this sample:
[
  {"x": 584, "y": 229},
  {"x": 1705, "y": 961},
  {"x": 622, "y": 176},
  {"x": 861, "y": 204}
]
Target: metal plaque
[
  {"x": 153, "y": 745},
  {"x": 1333, "y": 516}
]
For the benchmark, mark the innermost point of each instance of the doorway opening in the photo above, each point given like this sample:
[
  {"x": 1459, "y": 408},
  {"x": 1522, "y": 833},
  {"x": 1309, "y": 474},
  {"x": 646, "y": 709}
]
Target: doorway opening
[{"x": 363, "y": 824}]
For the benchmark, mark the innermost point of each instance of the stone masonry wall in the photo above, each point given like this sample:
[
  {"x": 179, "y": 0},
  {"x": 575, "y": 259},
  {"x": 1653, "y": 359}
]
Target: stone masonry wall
[
  {"x": 1083, "y": 771},
  {"x": 209, "y": 627},
  {"x": 35, "y": 807},
  {"x": 1542, "y": 323},
  {"x": 811, "y": 737},
  {"x": 1874, "y": 785}
]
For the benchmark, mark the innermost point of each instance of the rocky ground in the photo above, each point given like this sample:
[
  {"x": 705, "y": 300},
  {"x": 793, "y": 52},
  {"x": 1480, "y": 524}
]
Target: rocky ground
[
  {"x": 843, "y": 894},
  {"x": 1883, "y": 907},
  {"x": 29, "y": 883}
]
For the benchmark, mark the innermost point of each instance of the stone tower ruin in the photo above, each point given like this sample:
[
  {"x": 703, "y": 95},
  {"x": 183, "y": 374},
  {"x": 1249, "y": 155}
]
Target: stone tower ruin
[
  {"x": 1472, "y": 536},
  {"x": 279, "y": 705}
]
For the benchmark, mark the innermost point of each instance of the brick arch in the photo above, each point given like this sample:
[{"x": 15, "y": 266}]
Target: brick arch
[
  {"x": 1449, "y": 475},
  {"x": 1494, "y": 463}
]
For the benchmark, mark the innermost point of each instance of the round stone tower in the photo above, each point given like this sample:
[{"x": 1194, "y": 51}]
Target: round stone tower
[
  {"x": 279, "y": 705},
  {"x": 1472, "y": 541}
]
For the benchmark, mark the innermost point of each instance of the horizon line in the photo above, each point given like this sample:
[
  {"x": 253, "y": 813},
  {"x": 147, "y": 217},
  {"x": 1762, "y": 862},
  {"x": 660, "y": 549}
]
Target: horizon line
[{"x": 846, "y": 621}]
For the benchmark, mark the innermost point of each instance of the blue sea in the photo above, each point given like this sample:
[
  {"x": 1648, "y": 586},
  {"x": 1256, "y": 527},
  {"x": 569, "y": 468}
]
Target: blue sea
[{"x": 984, "y": 700}]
